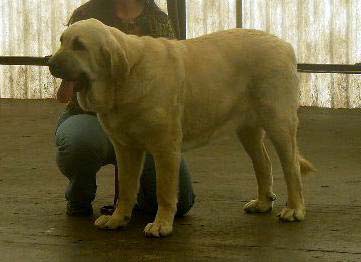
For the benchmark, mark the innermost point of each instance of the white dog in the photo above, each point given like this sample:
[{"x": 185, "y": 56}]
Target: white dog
[{"x": 162, "y": 96}]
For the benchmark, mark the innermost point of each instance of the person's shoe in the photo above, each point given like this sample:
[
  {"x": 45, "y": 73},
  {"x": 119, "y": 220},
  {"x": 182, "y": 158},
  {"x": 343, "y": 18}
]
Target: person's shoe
[
  {"x": 107, "y": 210},
  {"x": 79, "y": 210}
]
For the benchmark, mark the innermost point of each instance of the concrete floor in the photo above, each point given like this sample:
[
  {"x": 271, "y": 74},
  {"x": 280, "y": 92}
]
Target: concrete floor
[{"x": 34, "y": 227}]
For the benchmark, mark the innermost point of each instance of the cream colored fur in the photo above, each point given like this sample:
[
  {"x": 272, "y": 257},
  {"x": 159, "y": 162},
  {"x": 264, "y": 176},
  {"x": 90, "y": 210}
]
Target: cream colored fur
[{"x": 163, "y": 96}]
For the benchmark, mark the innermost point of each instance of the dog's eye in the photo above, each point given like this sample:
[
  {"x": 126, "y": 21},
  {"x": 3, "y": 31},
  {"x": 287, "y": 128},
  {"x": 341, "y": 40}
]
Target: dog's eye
[
  {"x": 78, "y": 45},
  {"x": 61, "y": 39}
]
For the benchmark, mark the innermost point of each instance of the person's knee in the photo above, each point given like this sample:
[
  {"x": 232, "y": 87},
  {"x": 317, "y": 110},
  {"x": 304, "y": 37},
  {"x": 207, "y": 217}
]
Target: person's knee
[
  {"x": 80, "y": 139},
  {"x": 74, "y": 152}
]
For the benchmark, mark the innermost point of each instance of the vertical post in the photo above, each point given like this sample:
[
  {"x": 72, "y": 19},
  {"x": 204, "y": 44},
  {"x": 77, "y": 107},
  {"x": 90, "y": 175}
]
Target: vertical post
[
  {"x": 173, "y": 15},
  {"x": 182, "y": 18},
  {"x": 239, "y": 13},
  {"x": 177, "y": 13}
]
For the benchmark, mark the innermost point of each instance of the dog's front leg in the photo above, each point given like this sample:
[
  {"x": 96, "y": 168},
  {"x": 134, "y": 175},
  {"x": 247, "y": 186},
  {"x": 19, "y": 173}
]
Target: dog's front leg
[
  {"x": 167, "y": 167},
  {"x": 130, "y": 164}
]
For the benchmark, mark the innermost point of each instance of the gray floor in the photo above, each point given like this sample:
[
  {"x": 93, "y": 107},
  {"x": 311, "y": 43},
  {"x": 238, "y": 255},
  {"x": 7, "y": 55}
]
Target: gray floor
[{"x": 34, "y": 227}]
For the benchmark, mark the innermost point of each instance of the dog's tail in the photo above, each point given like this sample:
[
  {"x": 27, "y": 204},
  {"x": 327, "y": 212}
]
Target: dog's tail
[{"x": 305, "y": 166}]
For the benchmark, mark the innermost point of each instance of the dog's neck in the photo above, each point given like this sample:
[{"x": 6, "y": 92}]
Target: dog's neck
[{"x": 133, "y": 45}]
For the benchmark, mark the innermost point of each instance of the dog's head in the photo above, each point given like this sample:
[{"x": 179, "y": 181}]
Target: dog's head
[{"x": 92, "y": 55}]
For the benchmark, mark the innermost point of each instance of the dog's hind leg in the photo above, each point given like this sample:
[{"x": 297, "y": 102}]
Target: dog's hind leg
[
  {"x": 281, "y": 127},
  {"x": 252, "y": 140}
]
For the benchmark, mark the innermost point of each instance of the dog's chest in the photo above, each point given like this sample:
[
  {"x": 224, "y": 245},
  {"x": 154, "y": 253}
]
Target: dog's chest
[{"x": 130, "y": 127}]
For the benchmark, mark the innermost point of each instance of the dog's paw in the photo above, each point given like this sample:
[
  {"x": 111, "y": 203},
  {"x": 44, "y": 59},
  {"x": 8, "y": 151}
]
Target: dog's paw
[
  {"x": 291, "y": 215},
  {"x": 110, "y": 222},
  {"x": 157, "y": 229},
  {"x": 258, "y": 206}
]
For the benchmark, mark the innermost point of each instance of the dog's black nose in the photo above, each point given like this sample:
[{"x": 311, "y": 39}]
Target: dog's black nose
[{"x": 54, "y": 68}]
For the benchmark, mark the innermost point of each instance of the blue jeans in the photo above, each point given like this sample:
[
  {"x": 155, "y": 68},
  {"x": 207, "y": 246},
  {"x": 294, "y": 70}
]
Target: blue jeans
[{"x": 83, "y": 148}]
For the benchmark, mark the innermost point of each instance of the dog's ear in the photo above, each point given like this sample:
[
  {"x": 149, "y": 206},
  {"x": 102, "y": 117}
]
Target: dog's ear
[{"x": 115, "y": 58}]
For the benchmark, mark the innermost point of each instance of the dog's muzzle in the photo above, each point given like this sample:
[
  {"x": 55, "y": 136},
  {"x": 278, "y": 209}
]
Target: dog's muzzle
[{"x": 64, "y": 67}]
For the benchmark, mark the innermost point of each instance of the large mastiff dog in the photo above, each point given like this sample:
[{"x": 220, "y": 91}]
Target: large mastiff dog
[{"x": 163, "y": 96}]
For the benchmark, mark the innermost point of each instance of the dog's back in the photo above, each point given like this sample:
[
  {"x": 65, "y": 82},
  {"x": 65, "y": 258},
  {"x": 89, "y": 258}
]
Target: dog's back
[{"x": 230, "y": 74}]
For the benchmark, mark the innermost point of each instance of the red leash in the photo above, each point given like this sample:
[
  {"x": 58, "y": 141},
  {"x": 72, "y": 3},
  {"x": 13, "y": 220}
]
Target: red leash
[{"x": 116, "y": 186}]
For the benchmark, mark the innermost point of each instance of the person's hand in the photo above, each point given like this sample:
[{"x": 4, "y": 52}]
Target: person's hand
[{"x": 65, "y": 91}]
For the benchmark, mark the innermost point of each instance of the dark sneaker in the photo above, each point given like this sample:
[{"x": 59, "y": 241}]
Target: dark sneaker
[
  {"x": 107, "y": 210},
  {"x": 84, "y": 210}
]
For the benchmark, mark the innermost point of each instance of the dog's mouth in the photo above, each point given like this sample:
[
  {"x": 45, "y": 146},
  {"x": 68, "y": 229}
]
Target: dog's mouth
[
  {"x": 71, "y": 86},
  {"x": 82, "y": 83}
]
